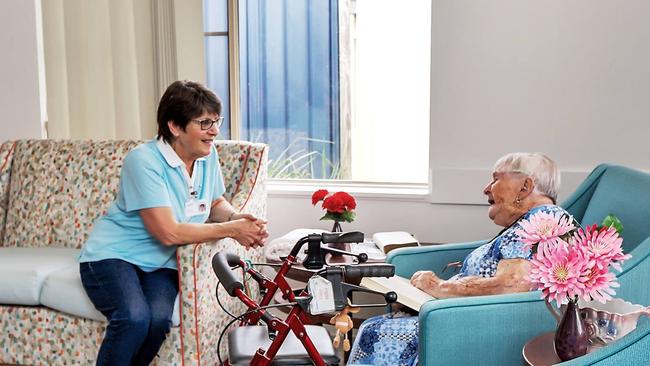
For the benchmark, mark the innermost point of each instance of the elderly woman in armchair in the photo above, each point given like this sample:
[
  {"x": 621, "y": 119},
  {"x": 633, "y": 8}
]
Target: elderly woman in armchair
[{"x": 522, "y": 184}]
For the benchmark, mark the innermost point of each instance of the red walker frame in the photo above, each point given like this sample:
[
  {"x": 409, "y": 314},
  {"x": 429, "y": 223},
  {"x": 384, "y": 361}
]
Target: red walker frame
[
  {"x": 295, "y": 321},
  {"x": 298, "y": 317}
]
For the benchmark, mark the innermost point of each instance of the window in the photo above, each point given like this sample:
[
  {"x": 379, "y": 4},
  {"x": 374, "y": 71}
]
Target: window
[{"x": 339, "y": 89}]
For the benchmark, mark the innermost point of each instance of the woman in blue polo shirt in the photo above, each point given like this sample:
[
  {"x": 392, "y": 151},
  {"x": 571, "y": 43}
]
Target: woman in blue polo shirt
[{"x": 170, "y": 194}]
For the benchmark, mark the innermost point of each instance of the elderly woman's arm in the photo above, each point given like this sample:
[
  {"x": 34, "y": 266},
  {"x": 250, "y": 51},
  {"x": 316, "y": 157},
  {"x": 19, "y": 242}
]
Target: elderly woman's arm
[{"x": 509, "y": 277}]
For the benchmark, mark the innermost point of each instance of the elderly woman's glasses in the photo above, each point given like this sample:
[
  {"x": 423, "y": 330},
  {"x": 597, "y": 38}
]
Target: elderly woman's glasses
[{"x": 207, "y": 123}]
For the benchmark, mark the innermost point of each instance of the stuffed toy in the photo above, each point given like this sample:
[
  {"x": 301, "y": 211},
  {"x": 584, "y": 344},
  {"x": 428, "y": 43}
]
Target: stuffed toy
[{"x": 343, "y": 323}]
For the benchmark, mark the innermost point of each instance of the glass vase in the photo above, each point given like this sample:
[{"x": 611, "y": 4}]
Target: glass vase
[
  {"x": 337, "y": 229},
  {"x": 571, "y": 337}
]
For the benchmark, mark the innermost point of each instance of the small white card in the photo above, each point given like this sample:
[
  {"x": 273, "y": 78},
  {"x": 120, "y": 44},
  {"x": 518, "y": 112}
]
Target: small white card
[
  {"x": 195, "y": 207},
  {"x": 322, "y": 295}
]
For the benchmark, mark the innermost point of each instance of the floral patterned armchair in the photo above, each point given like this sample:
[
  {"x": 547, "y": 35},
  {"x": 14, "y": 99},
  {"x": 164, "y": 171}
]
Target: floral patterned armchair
[{"x": 50, "y": 194}]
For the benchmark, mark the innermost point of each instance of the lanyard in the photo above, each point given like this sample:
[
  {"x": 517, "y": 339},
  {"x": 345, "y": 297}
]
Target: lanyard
[{"x": 190, "y": 180}]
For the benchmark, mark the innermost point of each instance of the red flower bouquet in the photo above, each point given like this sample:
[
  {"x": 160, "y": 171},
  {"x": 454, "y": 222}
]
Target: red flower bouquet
[{"x": 338, "y": 206}]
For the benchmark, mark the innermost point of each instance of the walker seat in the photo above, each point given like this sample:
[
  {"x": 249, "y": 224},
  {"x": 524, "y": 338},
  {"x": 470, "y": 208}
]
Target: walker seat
[{"x": 245, "y": 341}]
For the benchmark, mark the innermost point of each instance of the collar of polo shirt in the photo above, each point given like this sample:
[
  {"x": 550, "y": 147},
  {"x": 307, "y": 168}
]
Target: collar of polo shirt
[{"x": 170, "y": 154}]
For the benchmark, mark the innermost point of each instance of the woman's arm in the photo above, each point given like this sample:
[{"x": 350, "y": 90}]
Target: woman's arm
[
  {"x": 162, "y": 225},
  {"x": 222, "y": 211},
  {"x": 509, "y": 277}
]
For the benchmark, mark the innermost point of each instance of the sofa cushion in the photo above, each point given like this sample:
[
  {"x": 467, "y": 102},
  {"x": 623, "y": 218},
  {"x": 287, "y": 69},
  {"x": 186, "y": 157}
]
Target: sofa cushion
[
  {"x": 64, "y": 292},
  {"x": 24, "y": 270}
]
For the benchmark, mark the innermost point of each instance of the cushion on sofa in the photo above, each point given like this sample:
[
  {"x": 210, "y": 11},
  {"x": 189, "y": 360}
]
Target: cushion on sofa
[
  {"x": 64, "y": 292},
  {"x": 24, "y": 270}
]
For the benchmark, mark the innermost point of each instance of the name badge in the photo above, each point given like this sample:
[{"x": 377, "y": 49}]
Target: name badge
[{"x": 196, "y": 207}]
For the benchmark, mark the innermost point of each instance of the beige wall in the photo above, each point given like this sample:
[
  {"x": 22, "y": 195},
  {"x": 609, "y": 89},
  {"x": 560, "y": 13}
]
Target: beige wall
[
  {"x": 22, "y": 87},
  {"x": 103, "y": 68},
  {"x": 99, "y": 68}
]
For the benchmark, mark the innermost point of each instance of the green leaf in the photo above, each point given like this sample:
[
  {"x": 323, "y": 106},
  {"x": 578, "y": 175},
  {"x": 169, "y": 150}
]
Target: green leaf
[
  {"x": 348, "y": 216},
  {"x": 332, "y": 216},
  {"x": 612, "y": 220}
]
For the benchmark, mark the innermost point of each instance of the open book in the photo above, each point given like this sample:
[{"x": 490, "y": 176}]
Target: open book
[
  {"x": 407, "y": 294},
  {"x": 390, "y": 240}
]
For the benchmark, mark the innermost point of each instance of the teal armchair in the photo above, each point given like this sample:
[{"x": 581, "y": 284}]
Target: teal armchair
[{"x": 492, "y": 330}]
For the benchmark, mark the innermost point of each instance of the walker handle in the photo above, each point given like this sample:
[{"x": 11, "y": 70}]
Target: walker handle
[
  {"x": 347, "y": 237},
  {"x": 375, "y": 270},
  {"x": 221, "y": 263}
]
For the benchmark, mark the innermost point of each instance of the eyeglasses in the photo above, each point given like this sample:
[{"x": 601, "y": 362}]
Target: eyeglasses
[{"x": 207, "y": 123}]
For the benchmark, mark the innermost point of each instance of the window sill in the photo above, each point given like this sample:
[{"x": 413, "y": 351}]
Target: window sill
[{"x": 366, "y": 190}]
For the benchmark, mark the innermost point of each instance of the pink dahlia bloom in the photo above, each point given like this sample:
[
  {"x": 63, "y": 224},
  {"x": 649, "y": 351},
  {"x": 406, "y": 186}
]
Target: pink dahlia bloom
[
  {"x": 599, "y": 284},
  {"x": 558, "y": 273},
  {"x": 602, "y": 246},
  {"x": 545, "y": 228}
]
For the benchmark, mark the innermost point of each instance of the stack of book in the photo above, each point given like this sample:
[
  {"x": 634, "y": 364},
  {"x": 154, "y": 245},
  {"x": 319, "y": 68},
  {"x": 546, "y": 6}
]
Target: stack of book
[{"x": 390, "y": 240}]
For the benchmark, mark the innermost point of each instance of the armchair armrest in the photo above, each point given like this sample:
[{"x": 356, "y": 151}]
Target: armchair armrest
[
  {"x": 202, "y": 319},
  {"x": 431, "y": 257},
  {"x": 483, "y": 330}
]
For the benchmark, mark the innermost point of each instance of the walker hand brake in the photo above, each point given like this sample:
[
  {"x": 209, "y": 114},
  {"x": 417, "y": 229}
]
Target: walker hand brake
[
  {"x": 342, "y": 290},
  {"x": 316, "y": 253}
]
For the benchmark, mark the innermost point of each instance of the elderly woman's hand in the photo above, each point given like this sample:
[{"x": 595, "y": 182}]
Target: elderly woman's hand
[{"x": 425, "y": 280}]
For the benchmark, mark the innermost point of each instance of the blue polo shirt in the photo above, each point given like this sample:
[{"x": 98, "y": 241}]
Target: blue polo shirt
[{"x": 153, "y": 175}]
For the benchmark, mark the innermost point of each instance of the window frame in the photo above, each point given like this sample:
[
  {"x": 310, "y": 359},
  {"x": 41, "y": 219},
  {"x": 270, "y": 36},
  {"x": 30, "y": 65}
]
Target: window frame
[{"x": 298, "y": 187}]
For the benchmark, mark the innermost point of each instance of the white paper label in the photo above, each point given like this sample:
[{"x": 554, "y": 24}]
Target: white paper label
[{"x": 322, "y": 295}]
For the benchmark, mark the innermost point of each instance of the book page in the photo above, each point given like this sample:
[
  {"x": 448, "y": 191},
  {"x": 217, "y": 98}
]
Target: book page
[{"x": 407, "y": 294}]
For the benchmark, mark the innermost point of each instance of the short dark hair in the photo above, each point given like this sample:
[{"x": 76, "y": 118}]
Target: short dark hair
[{"x": 182, "y": 101}]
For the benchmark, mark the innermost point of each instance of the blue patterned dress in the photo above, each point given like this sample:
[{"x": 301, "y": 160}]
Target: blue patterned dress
[{"x": 392, "y": 339}]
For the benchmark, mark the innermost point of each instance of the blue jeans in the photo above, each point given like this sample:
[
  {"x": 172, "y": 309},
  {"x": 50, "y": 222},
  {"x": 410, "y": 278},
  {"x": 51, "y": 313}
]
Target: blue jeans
[{"x": 137, "y": 304}]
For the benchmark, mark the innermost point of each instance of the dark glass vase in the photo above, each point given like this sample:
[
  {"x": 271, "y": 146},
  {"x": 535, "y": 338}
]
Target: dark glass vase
[
  {"x": 571, "y": 338},
  {"x": 337, "y": 229}
]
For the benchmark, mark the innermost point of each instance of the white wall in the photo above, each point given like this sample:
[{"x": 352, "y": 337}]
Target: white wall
[
  {"x": 428, "y": 222},
  {"x": 569, "y": 78},
  {"x": 22, "y": 87}
]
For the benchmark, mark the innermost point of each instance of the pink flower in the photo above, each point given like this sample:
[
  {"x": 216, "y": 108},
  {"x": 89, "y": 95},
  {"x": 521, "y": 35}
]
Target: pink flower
[
  {"x": 598, "y": 284},
  {"x": 603, "y": 246},
  {"x": 545, "y": 228},
  {"x": 572, "y": 263},
  {"x": 558, "y": 273}
]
